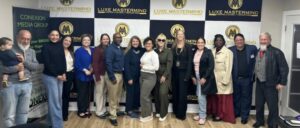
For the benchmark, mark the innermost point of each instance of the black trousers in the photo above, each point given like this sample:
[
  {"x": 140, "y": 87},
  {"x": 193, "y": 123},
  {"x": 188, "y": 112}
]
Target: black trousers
[
  {"x": 83, "y": 99},
  {"x": 132, "y": 95},
  {"x": 66, "y": 93},
  {"x": 242, "y": 96},
  {"x": 179, "y": 94},
  {"x": 267, "y": 94}
]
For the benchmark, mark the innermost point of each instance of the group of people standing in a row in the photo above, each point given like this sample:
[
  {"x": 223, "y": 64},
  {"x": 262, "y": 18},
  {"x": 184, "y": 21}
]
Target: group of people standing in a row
[{"x": 224, "y": 77}]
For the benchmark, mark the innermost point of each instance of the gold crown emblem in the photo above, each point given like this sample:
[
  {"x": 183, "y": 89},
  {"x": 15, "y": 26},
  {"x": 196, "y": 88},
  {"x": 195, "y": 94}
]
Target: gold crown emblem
[
  {"x": 235, "y": 4},
  {"x": 179, "y": 4},
  {"x": 66, "y": 28},
  {"x": 123, "y": 3},
  {"x": 66, "y": 2},
  {"x": 122, "y": 28},
  {"x": 175, "y": 28},
  {"x": 231, "y": 31}
]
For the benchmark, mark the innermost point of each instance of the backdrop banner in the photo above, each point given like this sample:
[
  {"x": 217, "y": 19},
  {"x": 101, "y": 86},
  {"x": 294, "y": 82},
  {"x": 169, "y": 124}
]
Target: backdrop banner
[
  {"x": 198, "y": 18},
  {"x": 233, "y": 10},
  {"x": 126, "y": 27},
  {"x": 178, "y": 10},
  {"x": 69, "y": 8},
  {"x": 73, "y": 27}
]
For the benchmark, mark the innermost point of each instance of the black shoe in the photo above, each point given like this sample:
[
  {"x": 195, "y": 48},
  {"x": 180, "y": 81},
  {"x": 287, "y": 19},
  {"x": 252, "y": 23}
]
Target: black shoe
[
  {"x": 113, "y": 122},
  {"x": 257, "y": 125},
  {"x": 244, "y": 121},
  {"x": 65, "y": 118},
  {"x": 104, "y": 115},
  {"x": 121, "y": 113},
  {"x": 82, "y": 115},
  {"x": 217, "y": 119},
  {"x": 133, "y": 114}
]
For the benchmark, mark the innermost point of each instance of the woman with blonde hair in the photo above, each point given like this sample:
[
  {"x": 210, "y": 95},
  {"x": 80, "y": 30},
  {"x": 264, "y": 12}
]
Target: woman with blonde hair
[
  {"x": 132, "y": 69},
  {"x": 182, "y": 67},
  {"x": 163, "y": 81}
]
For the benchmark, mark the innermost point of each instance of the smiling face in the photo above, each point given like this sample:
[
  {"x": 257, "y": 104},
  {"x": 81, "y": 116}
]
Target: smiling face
[
  {"x": 54, "y": 36},
  {"x": 180, "y": 35},
  {"x": 67, "y": 42},
  {"x": 219, "y": 43},
  {"x": 149, "y": 45},
  {"x": 200, "y": 44},
  {"x": 86, "y": 41},
  {"x": 264, "y": 41},
  {"x": 117, "y": 38},
  {"x": 135, "y": 43},
  {"x": 239, "y": 42},
  {"x": 105, "y": 40}
]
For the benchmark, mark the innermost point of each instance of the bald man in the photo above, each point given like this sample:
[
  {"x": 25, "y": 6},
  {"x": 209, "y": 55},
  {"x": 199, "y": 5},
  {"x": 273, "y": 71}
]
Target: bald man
[
  {"x": 271, "y": 71},
  {"x": 16, "y": 96}
]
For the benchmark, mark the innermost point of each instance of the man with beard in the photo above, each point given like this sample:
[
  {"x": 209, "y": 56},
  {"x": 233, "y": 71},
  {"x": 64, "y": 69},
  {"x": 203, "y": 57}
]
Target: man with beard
[
  {"x": 271, "y": 70},
  {"x": 16, "y": 96},
  {"x": 114, "y": 62}
]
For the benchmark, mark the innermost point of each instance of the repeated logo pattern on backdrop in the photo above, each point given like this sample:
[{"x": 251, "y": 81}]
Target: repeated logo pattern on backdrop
[{"x": 197, "y": 18}]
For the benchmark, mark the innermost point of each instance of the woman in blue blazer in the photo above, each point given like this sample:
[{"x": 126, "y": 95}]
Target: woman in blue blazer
[{"x": 83, "y": 71}]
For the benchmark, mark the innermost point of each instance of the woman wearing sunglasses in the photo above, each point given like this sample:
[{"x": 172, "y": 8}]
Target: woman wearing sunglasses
[{"x": 161, "y": 89}]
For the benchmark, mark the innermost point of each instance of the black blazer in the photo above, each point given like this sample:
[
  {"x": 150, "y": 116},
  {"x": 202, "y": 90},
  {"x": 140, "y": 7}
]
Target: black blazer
[
  {"x": 206, "y": 71},
  {"x": 185, "y": 59}
]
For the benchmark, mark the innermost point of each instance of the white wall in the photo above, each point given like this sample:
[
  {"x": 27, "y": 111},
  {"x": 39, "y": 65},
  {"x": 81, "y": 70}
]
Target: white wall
[{"x": 6, "y": 24}]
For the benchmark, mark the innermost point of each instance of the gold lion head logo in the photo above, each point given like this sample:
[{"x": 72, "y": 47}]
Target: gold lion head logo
[
  {"x": 179, "y": 4},
  {"x": 123, "y": 3},
  {"x": 66, "y": 28},
  {"x": 66, "y": 2},
  {"x": 235, "y": 4},
  {"x": 123, "y": 29},
  {"x": 231, "y": 31},
  {"x": 175, "y": 28}
]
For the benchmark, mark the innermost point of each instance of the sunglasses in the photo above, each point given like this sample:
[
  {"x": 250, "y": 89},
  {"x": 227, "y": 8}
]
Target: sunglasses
[{"x": 162, "y": 40}]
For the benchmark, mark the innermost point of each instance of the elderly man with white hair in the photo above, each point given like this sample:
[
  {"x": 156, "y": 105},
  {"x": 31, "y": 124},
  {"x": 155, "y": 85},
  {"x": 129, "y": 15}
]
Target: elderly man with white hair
[
  {"x": 16, "y": 96},
  {"x": 271, "y": 71}
]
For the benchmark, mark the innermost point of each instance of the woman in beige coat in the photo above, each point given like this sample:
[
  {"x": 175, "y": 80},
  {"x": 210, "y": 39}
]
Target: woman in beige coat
[{"x": 221, "y": 104}]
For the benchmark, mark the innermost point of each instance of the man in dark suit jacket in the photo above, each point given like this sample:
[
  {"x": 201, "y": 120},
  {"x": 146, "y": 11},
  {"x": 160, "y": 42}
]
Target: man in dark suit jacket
[
  {"x": 271, "y": 71},
  {"x": 242, "y": 76}
]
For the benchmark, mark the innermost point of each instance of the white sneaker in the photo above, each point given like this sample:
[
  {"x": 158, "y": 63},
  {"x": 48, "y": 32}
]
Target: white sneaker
[
  {"x": 146, "y": 119},
  {"x": 196, "y": 118},
  {"x": 201, "y": 121},
  {"x": 163, "y": 119},
  {"x": 157, "y": 115}
]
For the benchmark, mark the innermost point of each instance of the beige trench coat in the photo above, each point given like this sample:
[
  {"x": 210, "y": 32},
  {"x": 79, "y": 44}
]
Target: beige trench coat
[{"x": 223, "y": 68}]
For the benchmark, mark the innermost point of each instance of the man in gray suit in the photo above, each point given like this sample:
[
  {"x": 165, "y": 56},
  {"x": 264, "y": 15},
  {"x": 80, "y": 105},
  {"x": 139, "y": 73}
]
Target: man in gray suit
[{"x": 16, "y": 96}]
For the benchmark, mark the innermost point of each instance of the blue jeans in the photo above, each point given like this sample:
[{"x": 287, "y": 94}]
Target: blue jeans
[
  {"x": 201, "y": 99},
  {"x": 54, "y": 92},
  {"x": 15, "y": 103}
]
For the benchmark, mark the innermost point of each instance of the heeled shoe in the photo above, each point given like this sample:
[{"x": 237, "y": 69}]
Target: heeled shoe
[
  {"x": 82, "y": 115},
  {"x": 88, "y": 114}
]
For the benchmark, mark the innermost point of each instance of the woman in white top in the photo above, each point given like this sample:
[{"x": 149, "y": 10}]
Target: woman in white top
[
  {"x": 149, "y": 65},
  {"x": 69, "y": 55}
]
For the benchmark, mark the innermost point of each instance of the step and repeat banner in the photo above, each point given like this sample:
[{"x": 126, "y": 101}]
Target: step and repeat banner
[{"x": 197, "y": 18}]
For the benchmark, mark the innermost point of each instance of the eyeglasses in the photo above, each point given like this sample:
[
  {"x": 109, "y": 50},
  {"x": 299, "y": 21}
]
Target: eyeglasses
[{"x": 162, "y": 40}]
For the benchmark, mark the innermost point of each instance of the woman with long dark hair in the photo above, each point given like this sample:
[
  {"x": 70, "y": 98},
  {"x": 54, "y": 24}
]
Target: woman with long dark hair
[
  {"x": 99, "y": 68},
  {"x": 203, "y": 77},
  {"x": 69, "y": 55}
]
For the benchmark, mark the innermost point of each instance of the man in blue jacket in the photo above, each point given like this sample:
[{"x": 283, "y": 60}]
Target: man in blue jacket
[
  {"x": 242, "y": 73},
  {"x": 114, "y": 61}
]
